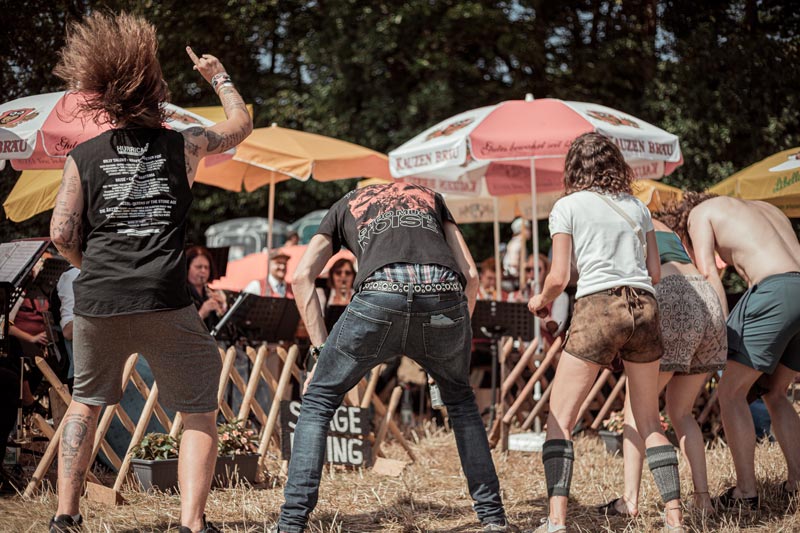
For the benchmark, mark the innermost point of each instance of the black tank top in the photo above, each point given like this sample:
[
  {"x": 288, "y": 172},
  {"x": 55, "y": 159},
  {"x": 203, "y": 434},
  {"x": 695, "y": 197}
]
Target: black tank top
[{"x": 136, "y": 202}]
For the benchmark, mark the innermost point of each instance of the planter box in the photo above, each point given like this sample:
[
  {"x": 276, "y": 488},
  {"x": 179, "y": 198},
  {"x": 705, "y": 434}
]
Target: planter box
[
  {"x": 235, "y": 467},
  {"x": 612, "y": 440},
  {"x": 156, "y": 475}
]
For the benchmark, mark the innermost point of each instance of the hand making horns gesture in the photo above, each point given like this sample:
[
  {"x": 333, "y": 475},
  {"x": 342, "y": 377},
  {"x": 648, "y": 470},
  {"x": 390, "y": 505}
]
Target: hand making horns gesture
[{"x": 207, "y": 65}]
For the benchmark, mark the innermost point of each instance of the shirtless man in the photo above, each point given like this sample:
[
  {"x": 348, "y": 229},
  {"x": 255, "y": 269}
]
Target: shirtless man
[{"x": 763, "y": 329}]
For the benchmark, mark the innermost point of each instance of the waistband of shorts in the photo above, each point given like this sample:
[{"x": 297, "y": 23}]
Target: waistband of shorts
[
  {"x": 621, "y": 289},
  {"x": 779, "y": 277},
  {"x": 414, "y": 288}
]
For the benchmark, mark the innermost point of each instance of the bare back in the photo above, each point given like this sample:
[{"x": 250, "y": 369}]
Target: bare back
[{"x": 753, "y": 236}]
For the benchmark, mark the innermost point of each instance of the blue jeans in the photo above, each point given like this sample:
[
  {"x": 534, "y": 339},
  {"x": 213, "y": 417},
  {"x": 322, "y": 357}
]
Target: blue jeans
[{"x": 432, "y": 329}]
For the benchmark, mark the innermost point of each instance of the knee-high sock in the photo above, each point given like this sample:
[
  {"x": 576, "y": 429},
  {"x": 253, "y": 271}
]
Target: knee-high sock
[
  {"x": 663, "y": 463},
  {"x": 558, "y": 456}
]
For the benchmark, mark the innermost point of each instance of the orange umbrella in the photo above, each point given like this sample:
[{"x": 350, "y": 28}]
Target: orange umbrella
[
  {"x": 271, "y": 155},
  {"x": 254, "y": 266}
]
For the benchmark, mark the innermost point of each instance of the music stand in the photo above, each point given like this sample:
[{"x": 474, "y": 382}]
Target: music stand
[
  {"x": 267, "y": 319},
  {"x": 47, "y": 278},
  {"x": 496, "y": 319},
  {"x": 17, "y": 259}
]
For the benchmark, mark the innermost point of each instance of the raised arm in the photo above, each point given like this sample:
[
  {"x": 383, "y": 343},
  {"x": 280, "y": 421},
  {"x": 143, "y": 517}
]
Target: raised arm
[
  {"x": 460, "y": 250},
  {"x": 200, "y": 142},
  {"x": 66, "y": 224}
]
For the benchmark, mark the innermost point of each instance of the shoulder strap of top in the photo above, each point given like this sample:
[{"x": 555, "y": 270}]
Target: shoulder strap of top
[{"x": 636, "y": 227}]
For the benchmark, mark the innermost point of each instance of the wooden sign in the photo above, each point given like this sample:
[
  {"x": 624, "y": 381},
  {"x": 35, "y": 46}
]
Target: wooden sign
[{"x": 347, "y": 442}]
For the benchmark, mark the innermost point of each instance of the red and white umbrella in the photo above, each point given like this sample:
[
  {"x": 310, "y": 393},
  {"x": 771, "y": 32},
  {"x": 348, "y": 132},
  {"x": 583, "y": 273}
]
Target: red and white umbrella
[
  {"x": 37, "y": 132},
  {"x": 519, "y": 146}
]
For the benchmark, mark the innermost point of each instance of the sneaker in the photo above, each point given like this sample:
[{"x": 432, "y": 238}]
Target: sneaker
[
  {"x": 547, "y": 527},
  {"x": 65, "y": 523},
  {"x": 208, "y": 527},
  {"x": 505, "y": 527}
]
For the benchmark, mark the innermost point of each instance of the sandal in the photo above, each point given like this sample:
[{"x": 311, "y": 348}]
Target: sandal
[
  {"x": 671, "y": 529},
  {"x": 610, "y": 508},
  {"x": 727, "y": 500}
]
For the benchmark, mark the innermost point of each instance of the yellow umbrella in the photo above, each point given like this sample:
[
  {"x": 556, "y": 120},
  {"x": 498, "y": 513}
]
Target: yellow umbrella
[
  {"x": 656, "y": 194},
  {"x": 34, "y": 193},
  {"x": 775, "y": 179}
]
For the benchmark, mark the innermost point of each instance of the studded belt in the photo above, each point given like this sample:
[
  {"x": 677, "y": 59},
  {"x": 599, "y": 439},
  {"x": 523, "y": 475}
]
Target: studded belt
[{"x": 415, "y": 288}]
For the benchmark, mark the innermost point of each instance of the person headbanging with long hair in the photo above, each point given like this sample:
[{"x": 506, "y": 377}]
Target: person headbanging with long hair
[{"x": 121, "y": 216}]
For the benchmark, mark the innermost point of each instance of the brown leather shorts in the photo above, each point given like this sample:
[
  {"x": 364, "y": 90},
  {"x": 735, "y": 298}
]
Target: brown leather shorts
[{"x": 620, "y": 322}]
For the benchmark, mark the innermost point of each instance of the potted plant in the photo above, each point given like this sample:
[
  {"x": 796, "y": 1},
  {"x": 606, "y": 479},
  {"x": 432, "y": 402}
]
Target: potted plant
[
  {"x": 237, "y": 455},
  {"x": 612, "y": 434},
  {"x": 155, "y": 462}
]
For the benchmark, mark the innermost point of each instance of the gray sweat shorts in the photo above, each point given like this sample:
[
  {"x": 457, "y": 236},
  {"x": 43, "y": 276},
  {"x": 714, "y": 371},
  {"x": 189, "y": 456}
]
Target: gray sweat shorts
[{"x": 182, "y": 355}]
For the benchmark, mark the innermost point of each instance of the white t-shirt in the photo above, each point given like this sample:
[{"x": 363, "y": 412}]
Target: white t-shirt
[
  {"x": 606, "y": 249},
  {"x": 67, "y": 296}
]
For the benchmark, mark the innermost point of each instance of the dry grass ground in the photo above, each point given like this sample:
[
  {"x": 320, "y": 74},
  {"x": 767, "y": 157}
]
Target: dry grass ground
[{"x": 431, "y": 496}]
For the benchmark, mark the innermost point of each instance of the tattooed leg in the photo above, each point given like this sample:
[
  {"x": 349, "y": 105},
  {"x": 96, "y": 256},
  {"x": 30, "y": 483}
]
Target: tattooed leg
[{"x": 75, "y": 450}]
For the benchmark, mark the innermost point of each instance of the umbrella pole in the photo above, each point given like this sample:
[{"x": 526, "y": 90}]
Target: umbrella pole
[
  {"x": 497, "y": 266},
  {"x": 535, "y": 231},
  {"x": 270, "y": 220}
]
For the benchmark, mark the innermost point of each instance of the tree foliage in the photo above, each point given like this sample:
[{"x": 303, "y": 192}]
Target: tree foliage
[{"x": 721, "y": 74}]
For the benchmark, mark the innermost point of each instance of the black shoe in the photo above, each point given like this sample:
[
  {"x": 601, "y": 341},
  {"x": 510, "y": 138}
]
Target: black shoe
[
  {"x": 208, "y": 527},
  {"x": 64, "y": 523},
  {"x": 727, "y": 500}
]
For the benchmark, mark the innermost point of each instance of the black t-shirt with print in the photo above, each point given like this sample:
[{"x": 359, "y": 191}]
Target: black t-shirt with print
[
  {"x": 136, "y": 204},
  {"x": 391, "y": 223}
]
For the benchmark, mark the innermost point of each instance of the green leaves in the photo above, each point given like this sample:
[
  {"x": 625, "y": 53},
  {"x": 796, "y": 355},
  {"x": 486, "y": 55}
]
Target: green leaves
[{"x": 156, "y": 446}]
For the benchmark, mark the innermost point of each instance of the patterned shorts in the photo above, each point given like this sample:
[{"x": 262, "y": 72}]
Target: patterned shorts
[
  {"x": 692, "y": 325},
  {"x": 619, "y": 322}
]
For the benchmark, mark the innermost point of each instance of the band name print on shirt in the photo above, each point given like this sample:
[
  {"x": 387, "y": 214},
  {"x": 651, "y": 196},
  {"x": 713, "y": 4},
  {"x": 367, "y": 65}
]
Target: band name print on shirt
[{"x": 139, "y": 193}]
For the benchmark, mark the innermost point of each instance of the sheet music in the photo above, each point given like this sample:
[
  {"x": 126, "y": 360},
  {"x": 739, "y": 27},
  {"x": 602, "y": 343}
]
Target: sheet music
[{"x": 15, "y": 256}]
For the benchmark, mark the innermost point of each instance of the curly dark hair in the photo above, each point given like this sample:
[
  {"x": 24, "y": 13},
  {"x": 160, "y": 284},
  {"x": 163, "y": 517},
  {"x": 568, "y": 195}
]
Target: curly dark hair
[
  {"x": 676, "y": 214},
  {"x": 113, "y": 60},
  {"x": 595, "y": 162}
]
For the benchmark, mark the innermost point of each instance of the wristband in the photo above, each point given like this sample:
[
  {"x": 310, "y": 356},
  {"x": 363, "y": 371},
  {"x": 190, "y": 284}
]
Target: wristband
[{"x": 219, "y": 79}]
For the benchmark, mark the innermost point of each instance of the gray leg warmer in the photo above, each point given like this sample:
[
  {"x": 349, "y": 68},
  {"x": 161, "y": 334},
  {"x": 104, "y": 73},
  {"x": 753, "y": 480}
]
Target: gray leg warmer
[
  {"x": 663, "y": 463},
  {"x": 558, "y": 456}
]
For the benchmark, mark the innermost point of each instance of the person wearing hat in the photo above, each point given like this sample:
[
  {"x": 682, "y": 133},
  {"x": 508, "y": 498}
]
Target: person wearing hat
[{"x": 275, "y": 285}]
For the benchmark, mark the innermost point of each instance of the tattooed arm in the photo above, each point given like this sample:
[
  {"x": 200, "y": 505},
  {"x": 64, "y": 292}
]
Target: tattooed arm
[
  {"x": 66, "y": 224},
  {"x": 200, "y": 142}
]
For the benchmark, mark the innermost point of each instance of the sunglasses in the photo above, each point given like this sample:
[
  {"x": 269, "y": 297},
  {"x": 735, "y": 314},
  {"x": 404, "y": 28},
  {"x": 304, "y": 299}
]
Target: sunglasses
[{"x": 343, "y": 273}]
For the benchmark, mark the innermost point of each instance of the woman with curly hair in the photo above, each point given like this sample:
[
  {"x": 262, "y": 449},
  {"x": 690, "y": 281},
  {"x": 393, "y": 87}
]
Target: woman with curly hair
[
  {"x": 611, "y": 235},
  {"x": 121, "y": 216}
]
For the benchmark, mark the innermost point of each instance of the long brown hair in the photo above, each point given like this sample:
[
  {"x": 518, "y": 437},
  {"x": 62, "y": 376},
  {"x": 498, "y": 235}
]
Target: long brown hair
[
  {"x": 113, "y": 60},
  {"x": 595, "y": 162}
]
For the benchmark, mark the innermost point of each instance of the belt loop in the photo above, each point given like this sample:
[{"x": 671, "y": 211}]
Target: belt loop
[{"x": 410, "y": 294}]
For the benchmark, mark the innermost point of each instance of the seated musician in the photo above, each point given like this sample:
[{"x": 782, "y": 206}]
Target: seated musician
[
  {"x": 487, "y": 288},
  {"x": 210, "y": 304},
  {"x": 277, "y": 286},
  {"x": 556, "y": 321}
]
